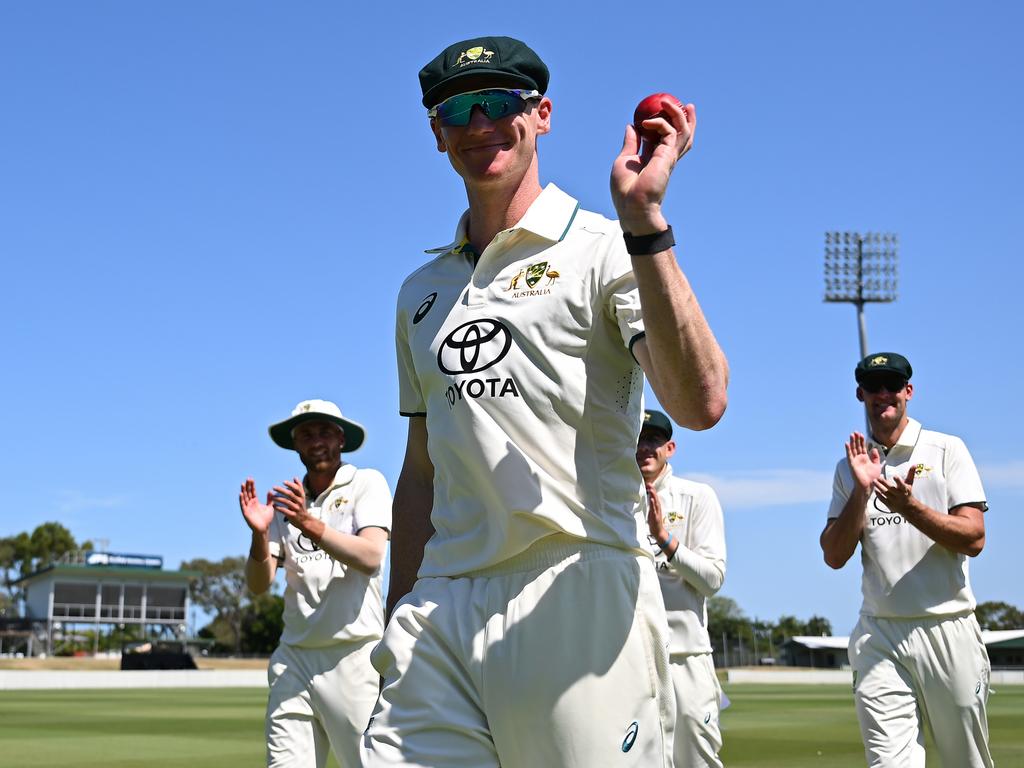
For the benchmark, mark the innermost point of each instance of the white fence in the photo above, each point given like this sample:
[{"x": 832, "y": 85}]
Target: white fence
[
  {"x": 836, "y": 676},
  {"x": 11, "y": 680}
]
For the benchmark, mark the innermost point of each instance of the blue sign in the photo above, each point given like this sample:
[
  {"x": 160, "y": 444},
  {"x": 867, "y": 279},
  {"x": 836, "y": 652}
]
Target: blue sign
[{"x": 125, "y": 561}]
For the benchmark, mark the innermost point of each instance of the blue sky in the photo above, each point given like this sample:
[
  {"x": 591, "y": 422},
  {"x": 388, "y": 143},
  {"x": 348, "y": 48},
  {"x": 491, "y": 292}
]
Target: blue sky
[{"x": 206, "y": 210}]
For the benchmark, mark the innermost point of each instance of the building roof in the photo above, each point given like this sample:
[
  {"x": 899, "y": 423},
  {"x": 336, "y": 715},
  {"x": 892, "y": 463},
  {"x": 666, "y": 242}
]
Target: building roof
[
  {"x": 829, "y": 642},
  {"x": 998, "y": 638},
  {"x": 108, "y": 571},
  {"x": 1003, "y": 638}
]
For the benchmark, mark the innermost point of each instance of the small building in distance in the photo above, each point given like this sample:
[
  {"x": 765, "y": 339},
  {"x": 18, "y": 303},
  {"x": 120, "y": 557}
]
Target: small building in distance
[
  {"x": 1005, "y": 647},
  {"x": 825, "y": 652},
  {"x": 104, "y": 589},
  {"x": 1005, "y": 650}
]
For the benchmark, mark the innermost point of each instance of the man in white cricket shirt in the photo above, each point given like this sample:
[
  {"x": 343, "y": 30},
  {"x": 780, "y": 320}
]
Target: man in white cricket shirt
[
  {"x": 535, "y": 634},
  {"x": 329, "y": 532},
  {"x": 686, "y": 531},
  {"x": 913, "y": 500}
]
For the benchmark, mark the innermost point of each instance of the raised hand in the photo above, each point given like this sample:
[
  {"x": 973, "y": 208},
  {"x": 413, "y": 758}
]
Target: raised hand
[
  {"x": 639, "y": 180},
  {"x": 898, "y": 496},
  {"x": 865, "y": 465},
  {"x": 289, "y": 499},
  {"x": 655, "y": 518},
  {"x": 257, "y": 516}
]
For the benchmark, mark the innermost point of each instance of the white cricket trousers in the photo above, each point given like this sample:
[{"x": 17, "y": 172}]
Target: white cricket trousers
[
  {"x": 320, "y": 701},
  {"x": 555, "y": 659},
  {"x": 698, "y": 737},
  {"x": 912, "y": 674}
]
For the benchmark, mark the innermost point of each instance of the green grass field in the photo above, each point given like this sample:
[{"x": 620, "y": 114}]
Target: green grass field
[
  {"x": 792, "y": 726},
  {"x": 766, "y": 726}
]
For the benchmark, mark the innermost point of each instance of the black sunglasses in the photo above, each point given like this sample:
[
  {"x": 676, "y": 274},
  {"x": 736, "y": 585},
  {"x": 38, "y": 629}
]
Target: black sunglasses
[
  {"x": 876, "y": 384},
  {"x": 495, "y": 103}
]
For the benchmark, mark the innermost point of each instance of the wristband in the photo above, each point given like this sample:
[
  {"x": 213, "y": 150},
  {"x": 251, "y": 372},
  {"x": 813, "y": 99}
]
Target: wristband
[
  {"x": 648, "y": 245},
  {"x": 664, "y": 547}
]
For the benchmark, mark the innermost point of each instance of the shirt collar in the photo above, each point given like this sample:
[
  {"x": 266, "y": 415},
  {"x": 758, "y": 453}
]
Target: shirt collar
[
  {"x": 907, "y": 439},
  {"x": 549, "y": 217},
  {"x": 664, "y": 477},
  {"x": 342, "y": 477}
]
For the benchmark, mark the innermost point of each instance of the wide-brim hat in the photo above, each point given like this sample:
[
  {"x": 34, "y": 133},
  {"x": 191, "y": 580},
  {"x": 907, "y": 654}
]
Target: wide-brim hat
[{"x": 317, "y": 410}]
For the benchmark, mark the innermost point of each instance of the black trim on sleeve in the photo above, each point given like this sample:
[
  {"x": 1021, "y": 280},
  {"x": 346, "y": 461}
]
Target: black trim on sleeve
[
  {"x": 633, "y": 341},
  {"x": 982, "y": 505},
  {"x": 413, "y": 413}
]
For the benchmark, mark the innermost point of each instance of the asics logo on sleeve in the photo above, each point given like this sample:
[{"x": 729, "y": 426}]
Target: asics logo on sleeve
[
  {"x": 425, "y": 307},
  {"x": 631, "y": 732}
]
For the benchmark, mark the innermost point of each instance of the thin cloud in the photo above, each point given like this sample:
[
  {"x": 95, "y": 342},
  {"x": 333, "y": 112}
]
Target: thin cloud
[
  {"x": 777, "y": 487},
  {"x": 768, "y": 487},
  {"x": 1009, "y": 475},
  {"x": 70, "y": 502}
]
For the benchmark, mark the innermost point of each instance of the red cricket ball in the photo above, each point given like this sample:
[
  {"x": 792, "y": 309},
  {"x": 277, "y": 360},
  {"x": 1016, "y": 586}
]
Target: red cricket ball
[{"x": 652, "y": 106}]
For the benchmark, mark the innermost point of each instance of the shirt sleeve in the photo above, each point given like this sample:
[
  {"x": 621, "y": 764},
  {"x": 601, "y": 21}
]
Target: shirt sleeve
[
  {"x": 963, "y": 483},
  {"x": 373, "y": 504},
  {"x": 621, "y": 295},
  {"x": 410, "y": 395},
  {"x": 275, "y": 537},
  {"x": 701, "y": 561},
  {"x": 840, "y": 490}
]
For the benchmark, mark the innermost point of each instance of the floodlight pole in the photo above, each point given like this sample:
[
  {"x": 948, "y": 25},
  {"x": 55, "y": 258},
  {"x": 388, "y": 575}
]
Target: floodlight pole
[
  {"x": 855, "y": 277},
  {"x": 862, "y": 325}
]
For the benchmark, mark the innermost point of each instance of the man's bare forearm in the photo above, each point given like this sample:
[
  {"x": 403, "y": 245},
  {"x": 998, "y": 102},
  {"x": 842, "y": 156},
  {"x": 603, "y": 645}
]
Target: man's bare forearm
[
  {"x": 412, "y": 529},
  {"x": 259, "y": 566},
  {"x": 355, "y": 551},
  {"x": 840, "y": 538},
  {"x": 687, "y": 369},
  {"x": 962, "y": 533}
]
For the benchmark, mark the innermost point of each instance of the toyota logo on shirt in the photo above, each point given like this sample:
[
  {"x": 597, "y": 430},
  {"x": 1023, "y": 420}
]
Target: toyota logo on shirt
[{"x": 474, "y": 346}]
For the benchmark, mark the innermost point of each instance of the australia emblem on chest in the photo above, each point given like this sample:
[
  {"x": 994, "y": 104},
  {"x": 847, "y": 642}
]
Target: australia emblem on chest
[{"x": 534, "y": 279}]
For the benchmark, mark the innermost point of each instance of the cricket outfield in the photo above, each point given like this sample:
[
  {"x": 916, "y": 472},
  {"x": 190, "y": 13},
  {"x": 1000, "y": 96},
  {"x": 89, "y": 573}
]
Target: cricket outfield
[{"x": 766, "y": 726}]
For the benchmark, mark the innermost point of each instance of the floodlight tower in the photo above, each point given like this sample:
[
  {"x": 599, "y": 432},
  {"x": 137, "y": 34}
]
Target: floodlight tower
[{"x": 860, "y": 269}]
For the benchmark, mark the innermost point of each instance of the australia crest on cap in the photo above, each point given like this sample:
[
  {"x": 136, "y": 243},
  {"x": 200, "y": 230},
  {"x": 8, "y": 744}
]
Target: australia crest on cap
[{"x": 477, "y": 53}]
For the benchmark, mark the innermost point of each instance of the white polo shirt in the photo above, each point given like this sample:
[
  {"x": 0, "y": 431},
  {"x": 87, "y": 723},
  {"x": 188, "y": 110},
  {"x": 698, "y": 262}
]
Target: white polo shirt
[
  {"x": 907, "y": 574},
  {"x": 327, "y": 602},
  {"x": 521, "y": 363},
  {"x": 696, "y": 571}
]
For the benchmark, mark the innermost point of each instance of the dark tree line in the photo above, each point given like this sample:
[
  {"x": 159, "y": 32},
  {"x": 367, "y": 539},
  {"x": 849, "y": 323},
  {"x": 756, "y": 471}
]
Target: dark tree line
[
  {"x": 739, "y": 640},
  {"x": 242, "y": 623},
  {"x": 25, "y": 553}
]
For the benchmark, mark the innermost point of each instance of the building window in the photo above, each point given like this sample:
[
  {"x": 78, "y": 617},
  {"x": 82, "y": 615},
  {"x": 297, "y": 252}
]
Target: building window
[{"x": 74, "y": 601}]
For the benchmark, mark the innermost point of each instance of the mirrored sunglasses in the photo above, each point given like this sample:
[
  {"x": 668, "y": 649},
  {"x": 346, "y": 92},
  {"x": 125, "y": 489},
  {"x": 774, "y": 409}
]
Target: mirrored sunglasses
[
  {"x": 876, "y": 384},
  {"x": 495, "y": 103}
]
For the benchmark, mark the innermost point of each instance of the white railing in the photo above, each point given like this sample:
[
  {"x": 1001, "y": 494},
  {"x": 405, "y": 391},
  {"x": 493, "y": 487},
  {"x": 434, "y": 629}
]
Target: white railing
[{"x": 131, "y": 613}]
